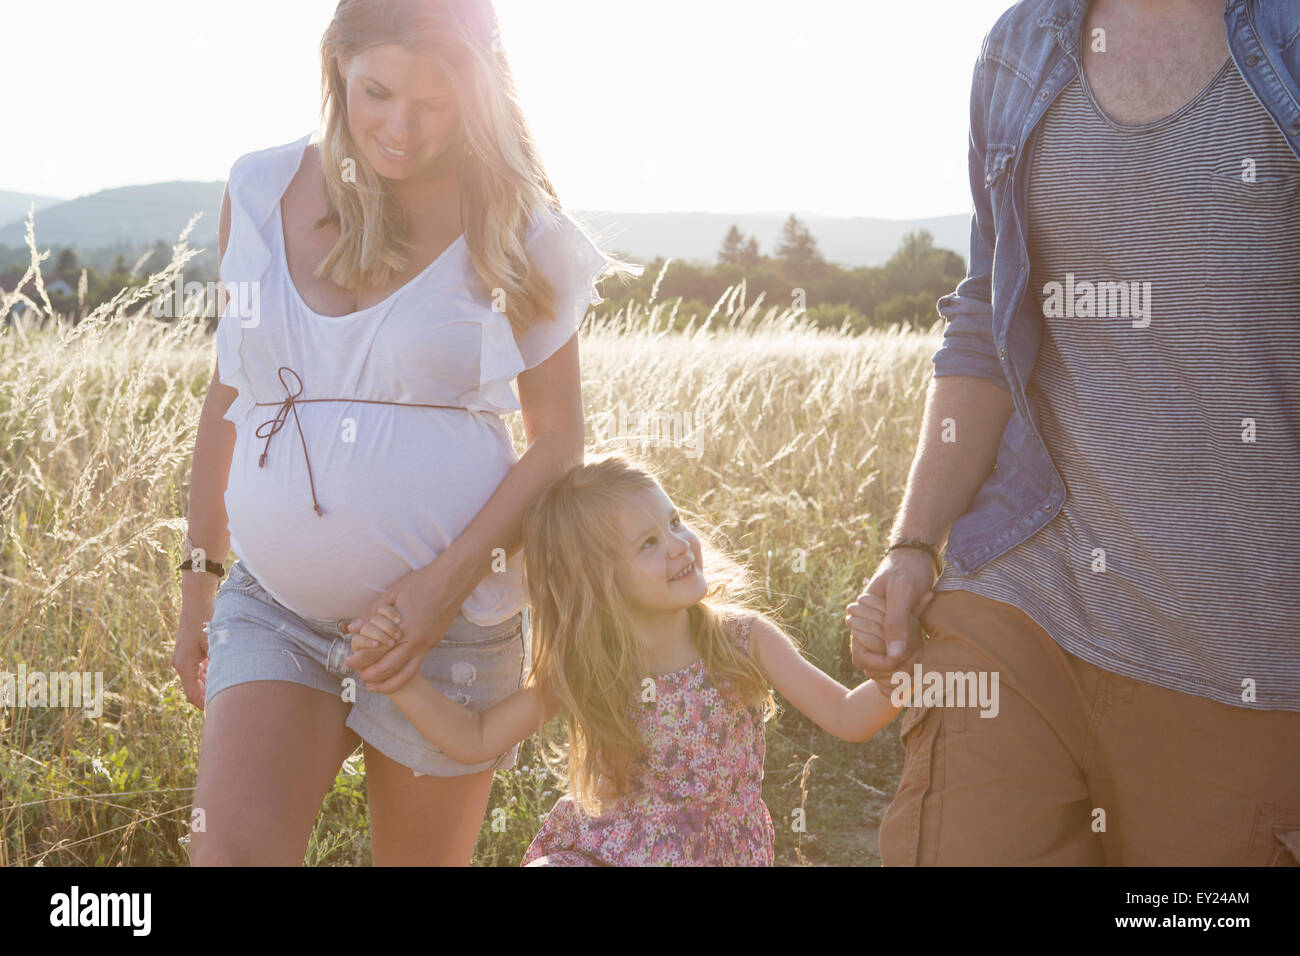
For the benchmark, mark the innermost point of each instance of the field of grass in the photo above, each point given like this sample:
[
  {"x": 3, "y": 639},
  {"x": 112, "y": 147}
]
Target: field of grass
[{"x": 800, "y": 448}]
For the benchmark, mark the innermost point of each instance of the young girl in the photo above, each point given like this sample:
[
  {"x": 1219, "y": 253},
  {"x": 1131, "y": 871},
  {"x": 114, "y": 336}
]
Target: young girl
[{"x": 662, "y": 677}]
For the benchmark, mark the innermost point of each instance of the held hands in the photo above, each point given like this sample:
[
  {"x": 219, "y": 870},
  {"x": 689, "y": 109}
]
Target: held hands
[
  {"x": 884, "y": 621},
  {"x": 373, "y": 639},
  {"x": 384, "y": 629},
  {"x": 399, "y": 628}
]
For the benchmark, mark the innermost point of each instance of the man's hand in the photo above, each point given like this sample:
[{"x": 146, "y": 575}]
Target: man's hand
[{"x": 887, "y": 638}]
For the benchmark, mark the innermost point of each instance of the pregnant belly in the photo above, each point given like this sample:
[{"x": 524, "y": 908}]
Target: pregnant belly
[{"x": 396, "y": 485}]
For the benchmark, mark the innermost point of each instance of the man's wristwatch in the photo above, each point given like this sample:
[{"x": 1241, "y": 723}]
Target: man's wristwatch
[
  {"x": 919, "y": 545},
  {"x": 197, "y": 561}
]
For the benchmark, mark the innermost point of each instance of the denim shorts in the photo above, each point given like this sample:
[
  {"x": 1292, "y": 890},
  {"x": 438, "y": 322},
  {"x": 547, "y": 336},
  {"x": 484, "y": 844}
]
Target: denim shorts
[{"x": 253, "y": 637}]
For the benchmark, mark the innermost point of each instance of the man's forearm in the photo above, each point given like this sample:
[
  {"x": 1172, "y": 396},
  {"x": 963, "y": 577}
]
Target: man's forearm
[{"x": 964, "y": 420}]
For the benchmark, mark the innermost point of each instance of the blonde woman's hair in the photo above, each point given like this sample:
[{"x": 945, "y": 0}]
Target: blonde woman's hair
[
  {"x": 504, "y": 182},
  {"x": 583, "y": 643}
]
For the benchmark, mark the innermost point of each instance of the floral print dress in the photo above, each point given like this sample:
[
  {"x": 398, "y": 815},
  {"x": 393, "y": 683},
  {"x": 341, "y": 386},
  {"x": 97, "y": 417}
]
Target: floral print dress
[{"x": 696, "y": 797}]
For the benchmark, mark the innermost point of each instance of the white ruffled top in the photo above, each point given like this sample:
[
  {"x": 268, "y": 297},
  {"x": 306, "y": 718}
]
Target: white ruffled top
[{"x": 395, "y": 484}]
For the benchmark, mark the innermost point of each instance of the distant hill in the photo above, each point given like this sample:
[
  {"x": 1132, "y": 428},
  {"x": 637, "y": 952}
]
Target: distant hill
[
  {"x": 15, "y": 205},
  {"x": 142, "y": 215},
  {"x": 131, "y": 215}
]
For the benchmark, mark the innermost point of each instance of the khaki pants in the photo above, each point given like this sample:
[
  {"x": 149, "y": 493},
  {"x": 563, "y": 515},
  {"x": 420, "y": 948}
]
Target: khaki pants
[{"x": 1081, "y": 766}]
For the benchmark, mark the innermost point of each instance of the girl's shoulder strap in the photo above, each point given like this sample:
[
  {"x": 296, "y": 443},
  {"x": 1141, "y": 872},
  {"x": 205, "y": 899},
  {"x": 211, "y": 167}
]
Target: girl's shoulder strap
[{"x": 740, "y": 624}]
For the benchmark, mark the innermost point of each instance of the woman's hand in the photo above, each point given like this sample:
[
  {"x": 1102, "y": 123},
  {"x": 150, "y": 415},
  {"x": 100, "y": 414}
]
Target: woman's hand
[
  {"x": 190, "y": 656},
  {"x": 422, "y": 611}
]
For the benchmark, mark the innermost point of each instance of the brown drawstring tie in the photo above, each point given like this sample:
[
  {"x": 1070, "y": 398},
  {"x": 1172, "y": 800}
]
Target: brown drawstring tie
[{"x": 289, "y": 404}]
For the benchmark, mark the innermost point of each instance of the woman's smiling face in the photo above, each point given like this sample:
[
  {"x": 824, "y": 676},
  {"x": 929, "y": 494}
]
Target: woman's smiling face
[
  {"x": 402, "y": 113},
  {"x": 661, "y": 568}
]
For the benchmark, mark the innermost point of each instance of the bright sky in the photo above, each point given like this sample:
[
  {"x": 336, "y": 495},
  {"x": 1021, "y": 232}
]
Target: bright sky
[{"x": 822, "y": 106}]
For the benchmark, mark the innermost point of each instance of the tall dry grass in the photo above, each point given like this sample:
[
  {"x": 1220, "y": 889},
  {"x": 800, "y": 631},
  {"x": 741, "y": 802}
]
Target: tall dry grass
[{"x": 801, "y": 444}]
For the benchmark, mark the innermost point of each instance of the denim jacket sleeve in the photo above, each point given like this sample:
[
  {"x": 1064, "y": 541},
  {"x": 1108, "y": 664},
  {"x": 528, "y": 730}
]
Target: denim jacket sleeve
[{"x": 968, "y": 347}]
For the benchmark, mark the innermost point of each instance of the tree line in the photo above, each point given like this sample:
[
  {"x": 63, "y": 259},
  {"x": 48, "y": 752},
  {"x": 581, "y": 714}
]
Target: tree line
[
  {"x": 108, "y": 272},
  {"x": 905, "y": 289}
]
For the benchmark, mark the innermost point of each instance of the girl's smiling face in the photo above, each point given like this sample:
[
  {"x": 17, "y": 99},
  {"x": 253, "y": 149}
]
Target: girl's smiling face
[
  {"x": 402, "y": 113},
  {"x": 662, "y": 568}
]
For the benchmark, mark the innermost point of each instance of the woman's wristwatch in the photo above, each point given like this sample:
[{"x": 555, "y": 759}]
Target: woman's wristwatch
[{"x": 202, "y": 564}]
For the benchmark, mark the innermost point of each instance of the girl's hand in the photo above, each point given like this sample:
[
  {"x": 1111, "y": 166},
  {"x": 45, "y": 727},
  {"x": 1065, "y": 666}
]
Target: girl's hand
[
  {"x": 426, "y": 607},
  {"x": 383, "y": 630},
  {"x": 866, "y": 620}
]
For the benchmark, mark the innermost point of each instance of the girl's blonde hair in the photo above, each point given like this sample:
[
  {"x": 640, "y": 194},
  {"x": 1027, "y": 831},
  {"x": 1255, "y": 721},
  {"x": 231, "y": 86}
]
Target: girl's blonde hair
[
  {"x": 504, "y": 182},
  {"x": 583, "y": 643}
]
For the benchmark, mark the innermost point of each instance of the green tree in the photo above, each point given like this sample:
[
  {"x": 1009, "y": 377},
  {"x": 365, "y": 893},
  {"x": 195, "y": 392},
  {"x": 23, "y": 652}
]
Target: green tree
[
  {"x": 917, "y": 266},
  {"x": 797, "y": 251},
  {"x": 738, "y": 251},
  {"x": 733, "y": 244}
]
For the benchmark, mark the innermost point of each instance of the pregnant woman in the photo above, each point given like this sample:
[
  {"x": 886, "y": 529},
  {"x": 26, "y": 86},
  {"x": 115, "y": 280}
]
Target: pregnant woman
[{"x": 386, "y": 286}]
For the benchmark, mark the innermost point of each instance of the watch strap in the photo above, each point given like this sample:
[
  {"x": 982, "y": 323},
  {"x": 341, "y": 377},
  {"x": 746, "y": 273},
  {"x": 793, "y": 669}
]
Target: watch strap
[{"x": 216, "y": 567}]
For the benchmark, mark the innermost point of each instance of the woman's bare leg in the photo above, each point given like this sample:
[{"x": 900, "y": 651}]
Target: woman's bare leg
[
  {"x": 423, "y": 821},
  {"x": 270, "y": 752}
]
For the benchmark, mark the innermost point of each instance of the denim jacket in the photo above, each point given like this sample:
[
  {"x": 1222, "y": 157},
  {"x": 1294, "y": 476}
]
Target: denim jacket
[{"x": 992, "y": 328}]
